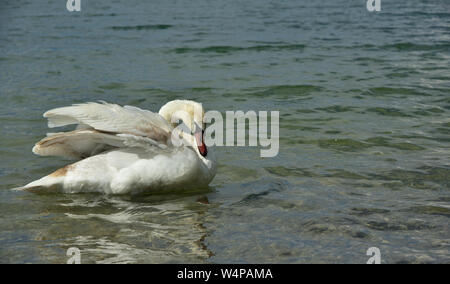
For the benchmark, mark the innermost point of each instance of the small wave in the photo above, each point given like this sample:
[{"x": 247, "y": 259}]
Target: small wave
[
  {"x": 230, "y": 49},
  {"x": 408, "y": 46},
  {"x": 328, "y": 225},
  {"x": 290, "y": 172},
  {"x": 140, "y": 27},
  {"x": 336, "y": 108},
  {"x": 102, "y": 15},
  {"x": 369, "y": 59},
  {"x": 399, "y": 226},
  {"x": 384, "y": 142},
  {"x": 347, "y": 145},
  {"x": 386, "y": 111},
  {"x": 388, "y": 91},
  {"x": 362, "y": 212},
  {"x": 428, "y": 14},
  {"x": 340, "y": 173},
  {"x": 429, "y": 111},
  {"x": 430, "y": 210},
  {"x": 426, "y": 178},
  {"x": 285, "y": 90},
  {"x": 112, "y": 86},
  {"x": 262, "y": 188}
]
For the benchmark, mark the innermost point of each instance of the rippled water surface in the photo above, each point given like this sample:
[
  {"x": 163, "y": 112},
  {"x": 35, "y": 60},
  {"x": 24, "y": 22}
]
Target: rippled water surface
[{"x": 364, "y": 128}]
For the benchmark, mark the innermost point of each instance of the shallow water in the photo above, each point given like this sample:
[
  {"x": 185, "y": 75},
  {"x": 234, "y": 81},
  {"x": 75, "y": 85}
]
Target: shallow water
[{"x": 364, "y": 129}]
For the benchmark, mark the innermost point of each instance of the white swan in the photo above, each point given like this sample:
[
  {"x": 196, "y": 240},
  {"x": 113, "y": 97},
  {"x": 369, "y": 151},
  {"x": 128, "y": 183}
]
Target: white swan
[{"x": 127, "y": 149}]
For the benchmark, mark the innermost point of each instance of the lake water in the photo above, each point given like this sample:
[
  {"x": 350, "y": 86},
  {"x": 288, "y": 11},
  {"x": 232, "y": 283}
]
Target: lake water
[{"x": 364, "y": 128}]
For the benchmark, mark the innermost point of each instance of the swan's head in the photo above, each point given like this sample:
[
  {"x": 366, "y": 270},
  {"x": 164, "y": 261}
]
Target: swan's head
[{"x": 188, "y": 115}]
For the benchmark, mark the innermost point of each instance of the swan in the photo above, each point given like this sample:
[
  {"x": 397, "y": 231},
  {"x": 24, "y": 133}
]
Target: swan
[{"x": 126, "y": 149}]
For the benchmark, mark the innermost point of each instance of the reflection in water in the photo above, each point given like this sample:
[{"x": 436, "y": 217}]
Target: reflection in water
[{"x": 155, "y": 229}]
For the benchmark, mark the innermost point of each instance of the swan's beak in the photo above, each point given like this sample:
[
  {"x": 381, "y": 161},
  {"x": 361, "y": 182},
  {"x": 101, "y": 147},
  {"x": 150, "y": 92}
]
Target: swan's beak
[{"x": 200, "y": 143}]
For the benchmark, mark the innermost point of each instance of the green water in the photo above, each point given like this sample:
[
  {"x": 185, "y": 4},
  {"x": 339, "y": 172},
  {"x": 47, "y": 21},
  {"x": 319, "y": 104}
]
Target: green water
[{"x": 364, "y": 129}]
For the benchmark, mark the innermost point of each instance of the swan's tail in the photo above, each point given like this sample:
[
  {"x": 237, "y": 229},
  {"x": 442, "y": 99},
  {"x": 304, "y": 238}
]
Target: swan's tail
[
  {"x": 46, "y": 183},
  {"x": 27, "y": 187},
  {"x": 18, "y": 188}
]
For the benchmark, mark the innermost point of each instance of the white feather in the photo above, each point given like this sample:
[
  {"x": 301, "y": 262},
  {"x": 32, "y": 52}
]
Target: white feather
[{"x": 112, "y": 118}]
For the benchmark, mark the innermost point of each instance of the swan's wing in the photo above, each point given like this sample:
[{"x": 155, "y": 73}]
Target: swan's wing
[
  {"x": 76, "y": 144},
  {"x": 114, "y": 119},
  {"x": 80, "y": 144},
  {"x": 101, "y": 127}
]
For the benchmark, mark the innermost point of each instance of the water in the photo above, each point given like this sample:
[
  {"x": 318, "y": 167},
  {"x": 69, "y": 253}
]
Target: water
[{"x": 364, "y": 113}]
